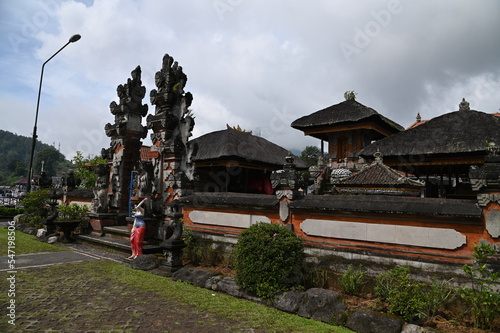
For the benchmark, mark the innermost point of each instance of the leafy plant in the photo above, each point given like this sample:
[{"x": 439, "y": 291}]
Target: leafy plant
[
  {"x": 35, "y": 207},
  {"x": 85, "y": 169},
  {"x": 436, "y": 295},
  {"x": 314, "y": 277},
  {"x": 198, "y": 252},
  {"x": 10, "y": 211},
  {"x": 352, "y": 280},
  {"x": 268, "y": 259},
  {"x": 483, "y": 301},
  {"x": 408, "y": 298},
  {"x": 73, "y": 212}
]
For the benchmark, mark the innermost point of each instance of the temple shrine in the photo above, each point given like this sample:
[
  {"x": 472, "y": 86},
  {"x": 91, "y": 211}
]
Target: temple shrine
[{"x": 374, "y": 201}]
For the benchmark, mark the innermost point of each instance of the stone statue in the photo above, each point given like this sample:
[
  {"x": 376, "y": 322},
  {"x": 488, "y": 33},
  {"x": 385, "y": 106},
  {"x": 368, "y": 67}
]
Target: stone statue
[
  {"x": 144, "y": 179},
  {"x": 100, "y": 201},
  {"x": 464, "y": 105}
]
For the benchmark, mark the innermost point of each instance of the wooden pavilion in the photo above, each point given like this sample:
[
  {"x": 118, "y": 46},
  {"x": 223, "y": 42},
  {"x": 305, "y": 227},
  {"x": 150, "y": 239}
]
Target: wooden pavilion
[
  {"x": 233, "y": 160},
  {"x": 441, "y": 150},
  {"x": 347, "y": 127}
]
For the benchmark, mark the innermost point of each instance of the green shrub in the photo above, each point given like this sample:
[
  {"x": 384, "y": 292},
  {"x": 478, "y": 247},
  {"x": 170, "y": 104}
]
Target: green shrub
[
  {"x": 10, "y": 211},
  {"x": 268, "y": 259},
  {"x": 436, "y": 295},
  {"x": 35, "y": 207},
  {"x": 352, "y": 280},
  {"x": 409, "y": 299},
  {"x": 483, "y": 301},
  {"x": 72, "y": 212}
]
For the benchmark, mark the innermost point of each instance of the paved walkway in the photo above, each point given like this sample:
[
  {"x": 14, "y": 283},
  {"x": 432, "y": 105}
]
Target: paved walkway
[{"x": 46, "y": 259}]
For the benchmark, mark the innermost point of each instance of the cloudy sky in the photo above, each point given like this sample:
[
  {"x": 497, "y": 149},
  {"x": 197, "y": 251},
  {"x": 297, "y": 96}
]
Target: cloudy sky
[{"x": 259, "y": 64}]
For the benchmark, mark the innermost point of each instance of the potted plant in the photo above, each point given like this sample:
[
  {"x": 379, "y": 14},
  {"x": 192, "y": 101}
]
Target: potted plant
[{"x": 69, "y": 218}]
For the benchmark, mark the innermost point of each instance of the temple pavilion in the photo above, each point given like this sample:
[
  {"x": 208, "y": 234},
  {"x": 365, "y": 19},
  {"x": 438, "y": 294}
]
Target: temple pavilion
[
  {"x": 347, "y": 128},
  {"x": 441, "y": 150},
  {"x": 235, "y": 160}
]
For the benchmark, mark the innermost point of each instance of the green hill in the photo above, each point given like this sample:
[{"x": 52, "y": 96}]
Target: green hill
[{"x": 16, "y": 150}]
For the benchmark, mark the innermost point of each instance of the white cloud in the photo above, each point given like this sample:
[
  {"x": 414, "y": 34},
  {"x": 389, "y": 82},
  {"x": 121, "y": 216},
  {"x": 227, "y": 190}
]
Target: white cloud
[{"x": 257, "y": 64}]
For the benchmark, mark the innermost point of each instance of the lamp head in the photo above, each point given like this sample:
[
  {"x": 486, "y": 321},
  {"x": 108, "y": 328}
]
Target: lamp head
[{"x": 74, "y": 38}]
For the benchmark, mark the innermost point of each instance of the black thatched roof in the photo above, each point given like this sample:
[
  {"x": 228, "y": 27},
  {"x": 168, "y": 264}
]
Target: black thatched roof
[
  {"x": 457, "y": 132},
  {"x": 347, "y": 112},
  {"x": 242, "y": 146},
  {"x": 378, "y": 174}
]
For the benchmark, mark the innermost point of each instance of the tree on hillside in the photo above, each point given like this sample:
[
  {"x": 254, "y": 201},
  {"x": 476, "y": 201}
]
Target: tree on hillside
[
  {"x": 310, "y": 155},
  {"x": 15, "y": 151},
  {"x": 51, "y": 158}
]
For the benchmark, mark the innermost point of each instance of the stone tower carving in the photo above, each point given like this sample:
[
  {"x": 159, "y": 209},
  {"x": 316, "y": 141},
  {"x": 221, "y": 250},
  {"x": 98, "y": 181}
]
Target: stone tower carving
[
  {"x": 172, "y": 125},
  {"x": 126, "y": 134}
]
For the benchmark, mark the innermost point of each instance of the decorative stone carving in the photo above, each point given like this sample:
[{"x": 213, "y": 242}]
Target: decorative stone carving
[
  {"x": 485, "y": 179},
  {"x": 124, "y": 151},
  {"x": 285, "y": 179},
  {"x": 100, "y": 201},
  {"x": 144, "y": 179},
  {"x": 493, "y": 222},
  {"x": 284, "y": 182},
  {"x": 129, "y": 112},
  {"x": 172, "y": 125},
  {"x": 464, "y": 105}
]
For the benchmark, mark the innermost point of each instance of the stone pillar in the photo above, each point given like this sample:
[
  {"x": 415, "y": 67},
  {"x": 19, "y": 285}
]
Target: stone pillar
[
  {"x": 485, "y": 180},
  {"x": 172, "y": 125},
  {"x": 284, "y": 182},
  {"x": 124, "y": 152},
  {"x": 173, "y": 170}
]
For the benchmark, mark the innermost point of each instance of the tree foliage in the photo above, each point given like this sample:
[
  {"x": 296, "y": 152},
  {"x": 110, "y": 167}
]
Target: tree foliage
[
  {"x": 35, "y": 207},
  {"x": 16, "y": 151},
  {"x": 85, "y": 169},
  {"x": 310, "y": 155}
]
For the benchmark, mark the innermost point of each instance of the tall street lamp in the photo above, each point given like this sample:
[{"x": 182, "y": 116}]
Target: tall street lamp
[{"x": 73, "y": 39}]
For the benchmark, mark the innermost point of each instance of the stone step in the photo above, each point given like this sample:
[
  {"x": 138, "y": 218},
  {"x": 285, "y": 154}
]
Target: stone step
[
  {"x": 117, "y": 232},
  {"x": 116, "y": 243}
]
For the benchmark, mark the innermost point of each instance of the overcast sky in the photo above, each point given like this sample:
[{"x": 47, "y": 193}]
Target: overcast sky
[{"x": 259, "y": 64}]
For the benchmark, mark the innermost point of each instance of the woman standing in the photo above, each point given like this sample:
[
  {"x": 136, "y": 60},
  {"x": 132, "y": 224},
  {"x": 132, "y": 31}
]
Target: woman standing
[{"x": 138, "y": 230}]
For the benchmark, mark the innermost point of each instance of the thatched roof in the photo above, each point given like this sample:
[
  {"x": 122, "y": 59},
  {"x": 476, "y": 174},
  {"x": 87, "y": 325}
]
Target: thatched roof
[
  {"x": 380, "y": 175},
  {"x": 347, "y": 112},
  {"x": 231, "y": 144},
  {"x": 457, "y": 132}
]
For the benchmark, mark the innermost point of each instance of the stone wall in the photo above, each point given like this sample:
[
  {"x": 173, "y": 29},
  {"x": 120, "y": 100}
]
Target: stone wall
[{"x": 429, "y": 235}]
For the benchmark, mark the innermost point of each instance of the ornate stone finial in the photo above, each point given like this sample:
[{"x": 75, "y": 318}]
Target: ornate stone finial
[
  {"x": 492, "y": 148},
  {"x": 289, "y": 159},
  {"x": 238, "y": 128},
  {"x": 129, "y": 110},
  {"x": 350, "y": 95},
  {"x": 464, "y": 105},
  {"x": 378, "y": 156},
  {"x": 419, "y": 118}
]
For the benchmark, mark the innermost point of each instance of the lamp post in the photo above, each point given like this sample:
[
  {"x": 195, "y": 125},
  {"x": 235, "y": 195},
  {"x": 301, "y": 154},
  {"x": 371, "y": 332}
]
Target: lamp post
[{"x": 73, "y": 39}]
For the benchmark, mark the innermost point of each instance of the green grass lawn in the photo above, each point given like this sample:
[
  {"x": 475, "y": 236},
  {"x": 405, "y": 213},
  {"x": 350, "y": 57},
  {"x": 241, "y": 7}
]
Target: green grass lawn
[
  {"x": 251, "y": 314},
  {"x": 25, "y": 244},
  {"x": 246, "y": 313}
]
